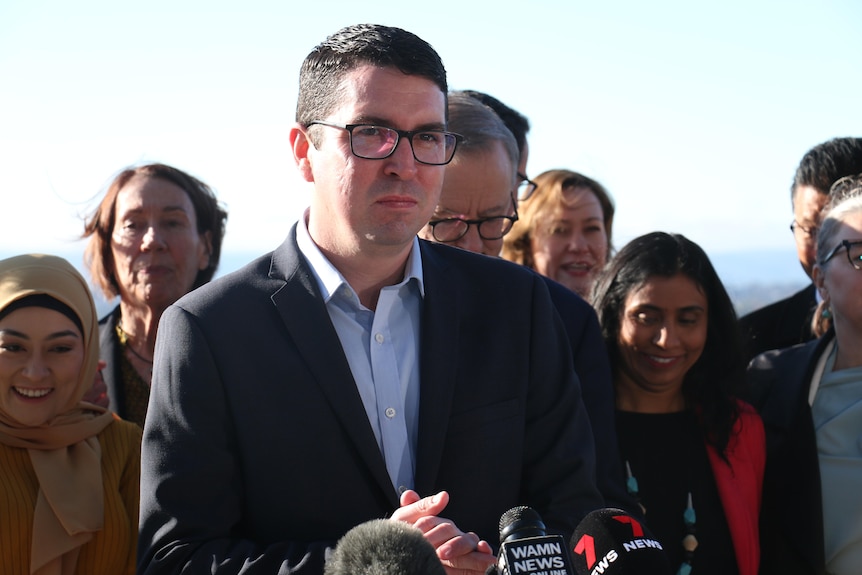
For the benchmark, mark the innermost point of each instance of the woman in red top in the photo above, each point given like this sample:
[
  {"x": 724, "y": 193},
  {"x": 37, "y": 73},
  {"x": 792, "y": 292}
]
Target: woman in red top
[{"x": 694, "y": 453}]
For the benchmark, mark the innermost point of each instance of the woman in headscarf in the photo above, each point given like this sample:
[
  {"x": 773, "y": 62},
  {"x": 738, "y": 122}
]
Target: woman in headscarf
[{"x": 69, "y": 470}]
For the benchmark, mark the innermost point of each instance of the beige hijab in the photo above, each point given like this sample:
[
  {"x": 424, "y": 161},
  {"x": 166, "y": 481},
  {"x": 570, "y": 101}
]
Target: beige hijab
[{"x": 65, "y": 451}]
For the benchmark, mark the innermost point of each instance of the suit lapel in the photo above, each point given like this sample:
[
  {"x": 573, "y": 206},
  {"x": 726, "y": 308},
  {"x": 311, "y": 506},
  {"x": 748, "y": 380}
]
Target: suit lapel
[
  {"x": 788, "y": 409},
  {"x": 439, "y": 350},
  {"x": 304, "y": 314}
]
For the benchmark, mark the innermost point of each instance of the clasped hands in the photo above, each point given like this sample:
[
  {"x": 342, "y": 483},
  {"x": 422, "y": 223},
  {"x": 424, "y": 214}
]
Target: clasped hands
[{"x": 461, "y": 553}]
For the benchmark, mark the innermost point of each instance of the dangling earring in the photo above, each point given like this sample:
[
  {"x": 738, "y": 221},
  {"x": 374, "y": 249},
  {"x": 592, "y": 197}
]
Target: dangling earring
[{"x": 826, "y": 313}]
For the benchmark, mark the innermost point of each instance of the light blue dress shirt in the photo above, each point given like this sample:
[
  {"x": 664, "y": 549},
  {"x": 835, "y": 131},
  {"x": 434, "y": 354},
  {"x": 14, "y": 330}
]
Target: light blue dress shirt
[{"x": 382, "y": 349}]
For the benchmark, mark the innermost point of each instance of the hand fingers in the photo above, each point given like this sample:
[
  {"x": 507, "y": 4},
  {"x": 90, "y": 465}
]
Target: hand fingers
[
  {"x": 450, "y": 542},
  {"x": 409, "y": 497},
  {"x": 427, "y": 506},
  {"x": 470, "y": 564}
]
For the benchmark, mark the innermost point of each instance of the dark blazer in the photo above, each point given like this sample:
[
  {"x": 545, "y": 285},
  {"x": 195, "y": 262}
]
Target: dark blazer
[
  {"x": 257, "y": 452},
  {"x": 594, "y": 372},
  {"x": 780, "y": 324},
  {"x": 791, "y": 525},
  {"x": 109, "y": 351}
]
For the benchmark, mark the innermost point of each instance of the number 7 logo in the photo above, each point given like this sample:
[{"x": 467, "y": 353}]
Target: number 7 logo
[{"x": 586, "y": 545}]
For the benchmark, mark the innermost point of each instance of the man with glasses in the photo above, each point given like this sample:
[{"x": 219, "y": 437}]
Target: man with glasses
[
  {"x": 476, "y": 210},
  {"x": 789, "y": 321},
  {"x": 292, "y": 400},
  {"x": 519, "y": 125}
]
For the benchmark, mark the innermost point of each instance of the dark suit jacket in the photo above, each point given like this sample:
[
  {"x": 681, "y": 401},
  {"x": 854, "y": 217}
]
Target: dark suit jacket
[
  {"x": 109, "y": 351},
  {"x": 257, "y": 452},
  {"x": 791, "y": 526},
  {"x": 594, "y": 372},
  {"x": 780, "y": 324}
]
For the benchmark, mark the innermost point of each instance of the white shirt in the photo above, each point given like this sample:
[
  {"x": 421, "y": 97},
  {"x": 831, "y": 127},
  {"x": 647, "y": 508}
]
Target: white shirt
[{"x": 382, "y": 349}]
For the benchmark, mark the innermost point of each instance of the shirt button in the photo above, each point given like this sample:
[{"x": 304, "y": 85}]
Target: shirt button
[
  {"x": 390, "y": 412},
  {"x": 379, "y": 338}
]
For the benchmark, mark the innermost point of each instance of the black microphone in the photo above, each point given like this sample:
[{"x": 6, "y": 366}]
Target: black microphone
[
  {"x": 612, "y": 542},
  {"x": 383, "y": 547},
  {"x": 526, "y": 549}
]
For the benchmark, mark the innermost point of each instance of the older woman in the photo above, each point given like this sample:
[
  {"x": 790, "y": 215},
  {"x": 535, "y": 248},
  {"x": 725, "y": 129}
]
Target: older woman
[
  {"x": 564, "y": 230},
  {"x": 810, "y": 397},
  {"x": 694, "y": 453},
  {"x": 69, "y": 470},
  {"x": 155, "y": 236}
]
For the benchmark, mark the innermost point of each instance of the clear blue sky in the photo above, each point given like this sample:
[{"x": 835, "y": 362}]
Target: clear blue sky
[{"x": 693, "y": 114}]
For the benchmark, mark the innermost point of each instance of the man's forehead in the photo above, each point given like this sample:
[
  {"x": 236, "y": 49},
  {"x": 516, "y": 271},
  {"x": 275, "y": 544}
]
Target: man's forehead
[
  {"x": 809, "y": 201},
  {"x": 385, "y": 93}
]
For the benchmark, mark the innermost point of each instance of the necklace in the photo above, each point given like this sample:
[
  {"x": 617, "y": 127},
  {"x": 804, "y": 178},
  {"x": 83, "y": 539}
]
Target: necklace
[
  {"x": 126, "y": 340},
  {"x": 689, "y": 541}
]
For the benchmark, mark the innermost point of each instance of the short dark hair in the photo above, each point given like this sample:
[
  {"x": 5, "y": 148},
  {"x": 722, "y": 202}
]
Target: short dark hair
[
  {"x": 517, "y": 123},
  {"x": 480, "y": 126},
  {"x": 713, "y": 382},
  {"x": 326, "y": 65},
  {"x": 825, "y": 163},
  {"x": 99, "y": 226}
]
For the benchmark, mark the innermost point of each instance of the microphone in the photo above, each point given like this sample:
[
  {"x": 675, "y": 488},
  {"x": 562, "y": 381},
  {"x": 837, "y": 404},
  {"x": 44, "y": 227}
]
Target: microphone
[
  {"x": 383, "y": 547},
  {"x": 526, "y": 549},
  {"x": 612, "y": 542}
]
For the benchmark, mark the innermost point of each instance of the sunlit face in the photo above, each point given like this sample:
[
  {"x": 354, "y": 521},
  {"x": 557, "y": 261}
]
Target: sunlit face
[
  {"x": 662, "y": 334},
  {"x": 475, "y": 186},
  {"x": 807, "y": 204},
  {"x": 840, "y": 284},
  {"x": 41, "y": 356},
  {"x": 373, "y": 206},
  {"x": 157, "y": 249},
  {"x": 570, "y": 244}
]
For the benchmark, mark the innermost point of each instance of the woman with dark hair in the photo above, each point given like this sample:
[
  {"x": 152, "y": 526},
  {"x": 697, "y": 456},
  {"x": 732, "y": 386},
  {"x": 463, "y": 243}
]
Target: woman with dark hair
[
  {"x": 155, "y": 236},
  {"x": 694, "y": 453},
  {"x": 810, "y": 398},
  {"x": 69, "y": 470}
]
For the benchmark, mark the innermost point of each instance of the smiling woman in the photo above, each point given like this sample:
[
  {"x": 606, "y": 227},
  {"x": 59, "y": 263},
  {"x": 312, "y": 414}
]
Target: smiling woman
[
  {"x": 564, "y": 230},
  {"x": 69, "y": 470},
  {"x": 687, "y": 441}
]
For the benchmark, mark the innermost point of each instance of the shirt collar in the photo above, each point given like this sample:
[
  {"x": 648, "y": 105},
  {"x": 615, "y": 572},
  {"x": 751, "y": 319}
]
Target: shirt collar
[{"x": 329, "y": 279}]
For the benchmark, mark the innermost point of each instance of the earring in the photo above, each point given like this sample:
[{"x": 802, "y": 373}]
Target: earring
[{"x": 826, "y": 313}]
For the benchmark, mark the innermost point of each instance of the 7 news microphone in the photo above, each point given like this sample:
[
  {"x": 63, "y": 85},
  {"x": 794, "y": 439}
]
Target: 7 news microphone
[
  {"x": 612, "y": 542},
  {"x": 527, "y": 549}
]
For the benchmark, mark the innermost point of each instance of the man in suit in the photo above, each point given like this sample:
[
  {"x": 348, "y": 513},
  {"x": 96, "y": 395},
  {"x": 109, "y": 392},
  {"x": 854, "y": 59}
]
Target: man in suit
[
  {"x": 477, "y": 208},
  {"x": 788, "y": 321},
  {"x": 292, "y": 399}
]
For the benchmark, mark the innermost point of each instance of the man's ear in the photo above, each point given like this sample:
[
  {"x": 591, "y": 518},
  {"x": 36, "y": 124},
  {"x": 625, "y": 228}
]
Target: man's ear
[{"x": 300, "y": 145}]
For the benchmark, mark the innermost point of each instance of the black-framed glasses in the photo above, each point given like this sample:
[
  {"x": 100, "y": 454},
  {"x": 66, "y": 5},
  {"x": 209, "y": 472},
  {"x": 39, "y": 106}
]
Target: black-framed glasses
[
  {"x": 526, "y": 187},
  {"x": 810, "y": 232},
  {"x": 371, "y": 142},
  {"x": 854, "y": 253},
  {"x": 453, "y": 229}
]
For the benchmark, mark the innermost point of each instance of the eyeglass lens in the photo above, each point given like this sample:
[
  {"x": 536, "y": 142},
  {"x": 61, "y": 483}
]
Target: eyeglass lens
[
  {"x": 454, "y": 229},
  {"x": 854, "y": 254},
  {"x": 525, "y": 189},
  {"x": 375, "y": 142}
]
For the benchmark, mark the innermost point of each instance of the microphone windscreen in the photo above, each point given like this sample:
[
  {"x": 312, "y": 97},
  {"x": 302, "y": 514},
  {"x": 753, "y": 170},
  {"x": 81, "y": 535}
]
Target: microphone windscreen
[
  {"x": 612, "y": 542},
  {"x": 519, "y": 523},
  {"x": 384, "y": 547}
]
